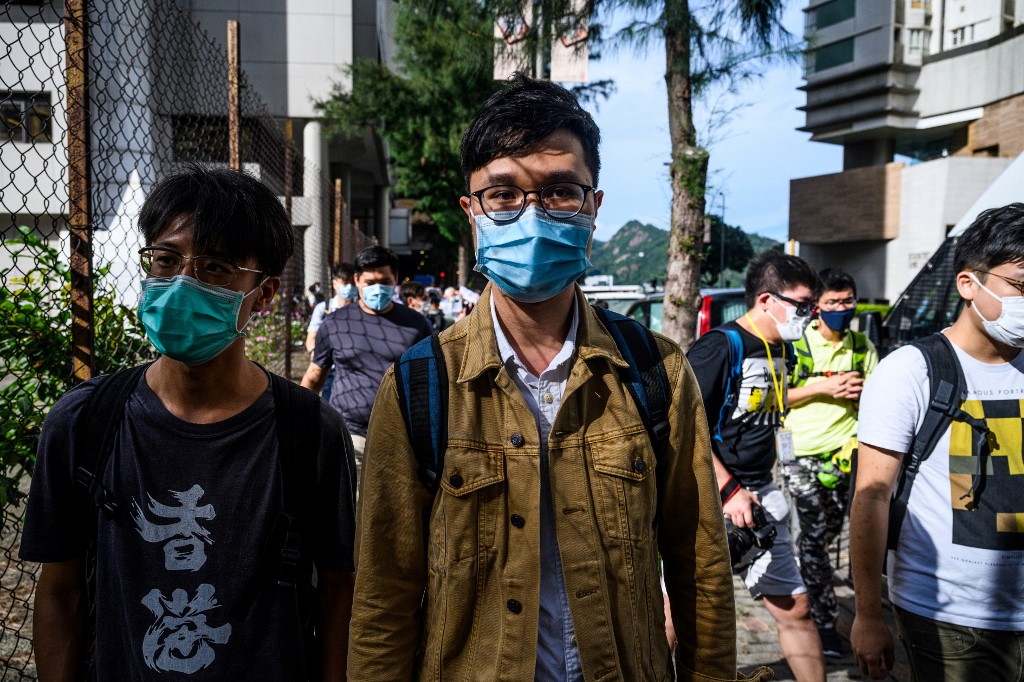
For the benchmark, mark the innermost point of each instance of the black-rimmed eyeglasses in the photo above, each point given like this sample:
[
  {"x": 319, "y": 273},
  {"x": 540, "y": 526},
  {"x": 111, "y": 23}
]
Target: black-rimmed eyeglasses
[
  {"x": 560, "y": 200},
  {"x": 162, "y": 262},
  {"x": 803, "y": 308}
]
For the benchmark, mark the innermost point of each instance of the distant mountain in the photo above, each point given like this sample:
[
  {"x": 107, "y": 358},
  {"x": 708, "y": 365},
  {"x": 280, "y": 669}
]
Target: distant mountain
[
  {"x": 638, "y": 252},
  {"x": 635, "y": 254}
]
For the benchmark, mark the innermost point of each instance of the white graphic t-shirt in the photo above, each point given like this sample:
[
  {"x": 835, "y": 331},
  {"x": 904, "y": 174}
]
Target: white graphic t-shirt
[{"x": 960, "y": 557}]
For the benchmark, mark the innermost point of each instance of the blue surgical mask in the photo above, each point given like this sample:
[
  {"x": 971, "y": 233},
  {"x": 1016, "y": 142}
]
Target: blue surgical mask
[
  {"x": 347, "y": 292},
  {"x": 535, "y": 256},
  {"x": 378, "y": 296},
  {"x": 187, "y": 320},
  {"x": 838, "y": 320}
]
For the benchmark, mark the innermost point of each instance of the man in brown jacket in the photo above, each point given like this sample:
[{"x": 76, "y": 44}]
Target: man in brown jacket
[{"x": 537, "y": 557}]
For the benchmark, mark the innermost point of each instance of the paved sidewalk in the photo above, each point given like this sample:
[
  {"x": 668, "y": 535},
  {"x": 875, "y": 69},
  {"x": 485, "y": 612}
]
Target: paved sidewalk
[{"x": 758, "y": 643}]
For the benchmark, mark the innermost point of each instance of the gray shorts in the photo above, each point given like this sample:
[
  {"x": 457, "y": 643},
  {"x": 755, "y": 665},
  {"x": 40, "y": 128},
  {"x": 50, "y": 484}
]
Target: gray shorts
[{"x": 775, "y": 573}]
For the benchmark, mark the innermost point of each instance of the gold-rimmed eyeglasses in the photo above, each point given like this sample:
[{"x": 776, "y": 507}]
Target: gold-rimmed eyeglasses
[{"x": 162, "y": 262}]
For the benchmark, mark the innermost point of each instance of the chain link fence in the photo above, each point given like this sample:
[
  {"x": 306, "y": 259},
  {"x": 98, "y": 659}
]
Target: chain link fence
[{"x": 100, "y": 100}]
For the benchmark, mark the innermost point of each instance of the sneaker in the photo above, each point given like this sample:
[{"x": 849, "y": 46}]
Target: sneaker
[{"x": 831, "y": 643}]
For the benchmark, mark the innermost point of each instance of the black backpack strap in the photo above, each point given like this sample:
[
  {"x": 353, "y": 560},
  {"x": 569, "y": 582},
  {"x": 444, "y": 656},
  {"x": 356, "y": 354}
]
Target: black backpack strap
[
  {"x": 287, "y": 556},
  {"x": 421, "y": 379},
  {"x": 948, "y": 388},
  {"x": 97, "y": 429},
  {"x": 645, "y": 377}
]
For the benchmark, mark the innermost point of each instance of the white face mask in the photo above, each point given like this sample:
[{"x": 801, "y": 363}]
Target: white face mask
[
  {"x": 1008, "y": 328},
  {"x": 793, "y": 327}
]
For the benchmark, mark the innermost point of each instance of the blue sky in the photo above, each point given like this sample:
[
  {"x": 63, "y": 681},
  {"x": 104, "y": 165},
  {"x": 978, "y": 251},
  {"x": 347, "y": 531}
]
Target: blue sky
[{"x": 753, "y": 157}]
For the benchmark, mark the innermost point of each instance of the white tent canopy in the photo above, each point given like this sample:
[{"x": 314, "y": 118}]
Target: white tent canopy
[{"x": 1007, "y": 189}]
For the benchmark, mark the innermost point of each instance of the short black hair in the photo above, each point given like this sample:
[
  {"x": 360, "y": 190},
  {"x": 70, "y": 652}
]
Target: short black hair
[
  {"x": 995, "y": 237},
  {"x": 343, "y": 271},
  {"x": 777, "y": 271},
  {"x": 513, "y": 120},
  {"x": 834, "y": 279},
  {"x": 373, "y": 258},
  {"x": 411, "y": 288},
  {"x": 232, "y": 214}
]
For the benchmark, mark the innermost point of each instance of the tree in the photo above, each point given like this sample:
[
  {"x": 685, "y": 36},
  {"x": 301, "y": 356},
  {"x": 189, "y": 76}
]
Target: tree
[
  {"x": 737, "y": 252},
  {"x": 718, "y": 43},
  {"x": 445, "y": 51}
]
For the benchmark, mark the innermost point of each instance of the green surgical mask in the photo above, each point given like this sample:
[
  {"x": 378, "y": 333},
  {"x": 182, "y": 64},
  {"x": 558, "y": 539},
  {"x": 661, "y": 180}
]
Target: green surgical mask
[{"x": 189, "y": 321}]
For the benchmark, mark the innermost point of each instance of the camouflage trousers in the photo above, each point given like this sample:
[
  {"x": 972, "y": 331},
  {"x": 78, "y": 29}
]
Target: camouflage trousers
[{"x": 821, "y": 512}]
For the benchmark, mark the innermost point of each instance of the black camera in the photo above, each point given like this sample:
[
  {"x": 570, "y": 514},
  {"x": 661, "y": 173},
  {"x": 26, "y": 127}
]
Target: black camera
[{"x": 747, "y": 544}]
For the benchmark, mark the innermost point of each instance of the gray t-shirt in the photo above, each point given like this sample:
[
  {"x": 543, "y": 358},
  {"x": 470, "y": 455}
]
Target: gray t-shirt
[
  {"x": 361, "y": 347},
  {"x": 197, "y": 502}
]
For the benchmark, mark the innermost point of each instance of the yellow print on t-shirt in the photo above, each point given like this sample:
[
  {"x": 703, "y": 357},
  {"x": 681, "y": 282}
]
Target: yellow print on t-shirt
[{"x": 986, "y": 476}]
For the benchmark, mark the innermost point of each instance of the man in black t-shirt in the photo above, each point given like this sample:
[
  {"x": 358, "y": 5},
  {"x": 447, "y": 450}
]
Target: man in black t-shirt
[
  {"x": 195, "y": 472},
  {"x": 746, "y": 428},
  {"x": 362, "y": 341}
]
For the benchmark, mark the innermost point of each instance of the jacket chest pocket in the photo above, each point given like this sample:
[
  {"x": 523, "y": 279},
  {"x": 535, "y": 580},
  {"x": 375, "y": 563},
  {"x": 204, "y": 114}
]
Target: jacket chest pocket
[
  {"x": 624, "y": 486},
  {"x": 466, "y": 510}
]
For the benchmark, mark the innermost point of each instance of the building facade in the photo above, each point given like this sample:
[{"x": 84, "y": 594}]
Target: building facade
[
  {"x": 158, "y": 98},
  {"x": 927, "y": 100}
]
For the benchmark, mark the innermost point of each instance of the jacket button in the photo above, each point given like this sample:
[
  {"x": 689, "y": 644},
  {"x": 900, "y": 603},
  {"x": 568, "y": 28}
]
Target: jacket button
[
  {"x": 514, "y": 606},
  {"x": 456, "y": 480},
  {"x": 639, "y": 466},
  {"x": 518, "y": 440},
  {"x": 517, "y": 521}
]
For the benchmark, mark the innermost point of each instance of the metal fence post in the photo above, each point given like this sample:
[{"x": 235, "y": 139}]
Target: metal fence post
[
  {"x": 234, "y": 146},
  {"x": 76, "y": 25},
  {"x": 337, "y": 221},
  {"x": 289, "y": 303}
]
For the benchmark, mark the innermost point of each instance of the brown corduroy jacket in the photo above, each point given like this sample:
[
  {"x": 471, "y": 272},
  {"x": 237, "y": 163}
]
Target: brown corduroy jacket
[{"x": 447, "y": 586}]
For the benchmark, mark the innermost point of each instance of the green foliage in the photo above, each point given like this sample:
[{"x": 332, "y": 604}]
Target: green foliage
[
  {"x": 621, "y": 256},
  {"x": 266, "y": 341},
  {"x": 445, "y": 52},
  {"x": 738, "y": 251},
  {"x": 36, "y": 348}
]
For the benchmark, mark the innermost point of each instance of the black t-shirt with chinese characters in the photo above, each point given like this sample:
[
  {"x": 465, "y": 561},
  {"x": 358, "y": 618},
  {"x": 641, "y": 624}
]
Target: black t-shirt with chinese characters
[
  {"x": 196, "y": 504},
  {"x": 361, "y": 347},
  {"x": 747, "y": 448}
]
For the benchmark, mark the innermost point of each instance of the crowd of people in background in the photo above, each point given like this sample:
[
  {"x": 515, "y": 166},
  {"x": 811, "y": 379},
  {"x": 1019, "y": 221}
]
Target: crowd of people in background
[{"x": 530, "y": 468}]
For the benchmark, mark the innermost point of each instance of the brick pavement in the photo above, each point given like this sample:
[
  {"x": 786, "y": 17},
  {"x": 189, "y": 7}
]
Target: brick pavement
[{"x": 758, "y": 643}]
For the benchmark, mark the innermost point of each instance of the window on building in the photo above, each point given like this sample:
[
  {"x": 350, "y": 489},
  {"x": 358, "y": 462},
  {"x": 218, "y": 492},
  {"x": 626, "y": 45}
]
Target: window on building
[
  {"x": 917, "y": 40},
  {"x": 962, "y": 35},
  {"x": 831, "y": 55},
  {"x": 27, "y": 116},
  {"x": 833, "y": 12}
]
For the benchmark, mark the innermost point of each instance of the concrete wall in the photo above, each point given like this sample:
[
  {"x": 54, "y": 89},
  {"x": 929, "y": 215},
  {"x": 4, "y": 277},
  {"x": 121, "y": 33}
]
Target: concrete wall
[
  {"x": 984, "y": 15},
  {"x": 865, "y": 261},
  {"x": 291, "y": 50},
  {"x": 34, "y": 62},
  {"x": 871, "y": 28},
  {"x": 971, "y": 80},
  {"x": 933, "y": 197}
]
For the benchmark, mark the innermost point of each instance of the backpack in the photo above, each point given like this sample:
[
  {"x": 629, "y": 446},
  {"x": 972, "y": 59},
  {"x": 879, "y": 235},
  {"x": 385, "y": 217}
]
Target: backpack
[
  {"x": 286, "y": 559},
  {"x": 421, "y": 379},
  {"x": 805, "y": 361},
  {"x": 735, "y": 376},
  {"x": 948, "y": 390}
]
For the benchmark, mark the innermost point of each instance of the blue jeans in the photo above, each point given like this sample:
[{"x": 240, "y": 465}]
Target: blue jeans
[{"x": 943, "y": 652}]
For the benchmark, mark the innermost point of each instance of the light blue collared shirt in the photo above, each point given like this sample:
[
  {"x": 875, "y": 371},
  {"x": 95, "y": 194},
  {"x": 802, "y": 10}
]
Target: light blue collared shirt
[{"x": 558, "y": 658}]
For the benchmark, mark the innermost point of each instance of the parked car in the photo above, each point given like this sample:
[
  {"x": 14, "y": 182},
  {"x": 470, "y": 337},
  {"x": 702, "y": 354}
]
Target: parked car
[
  {"x": 617, "y": 298},
  {"x": 717, "y": 306}
]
